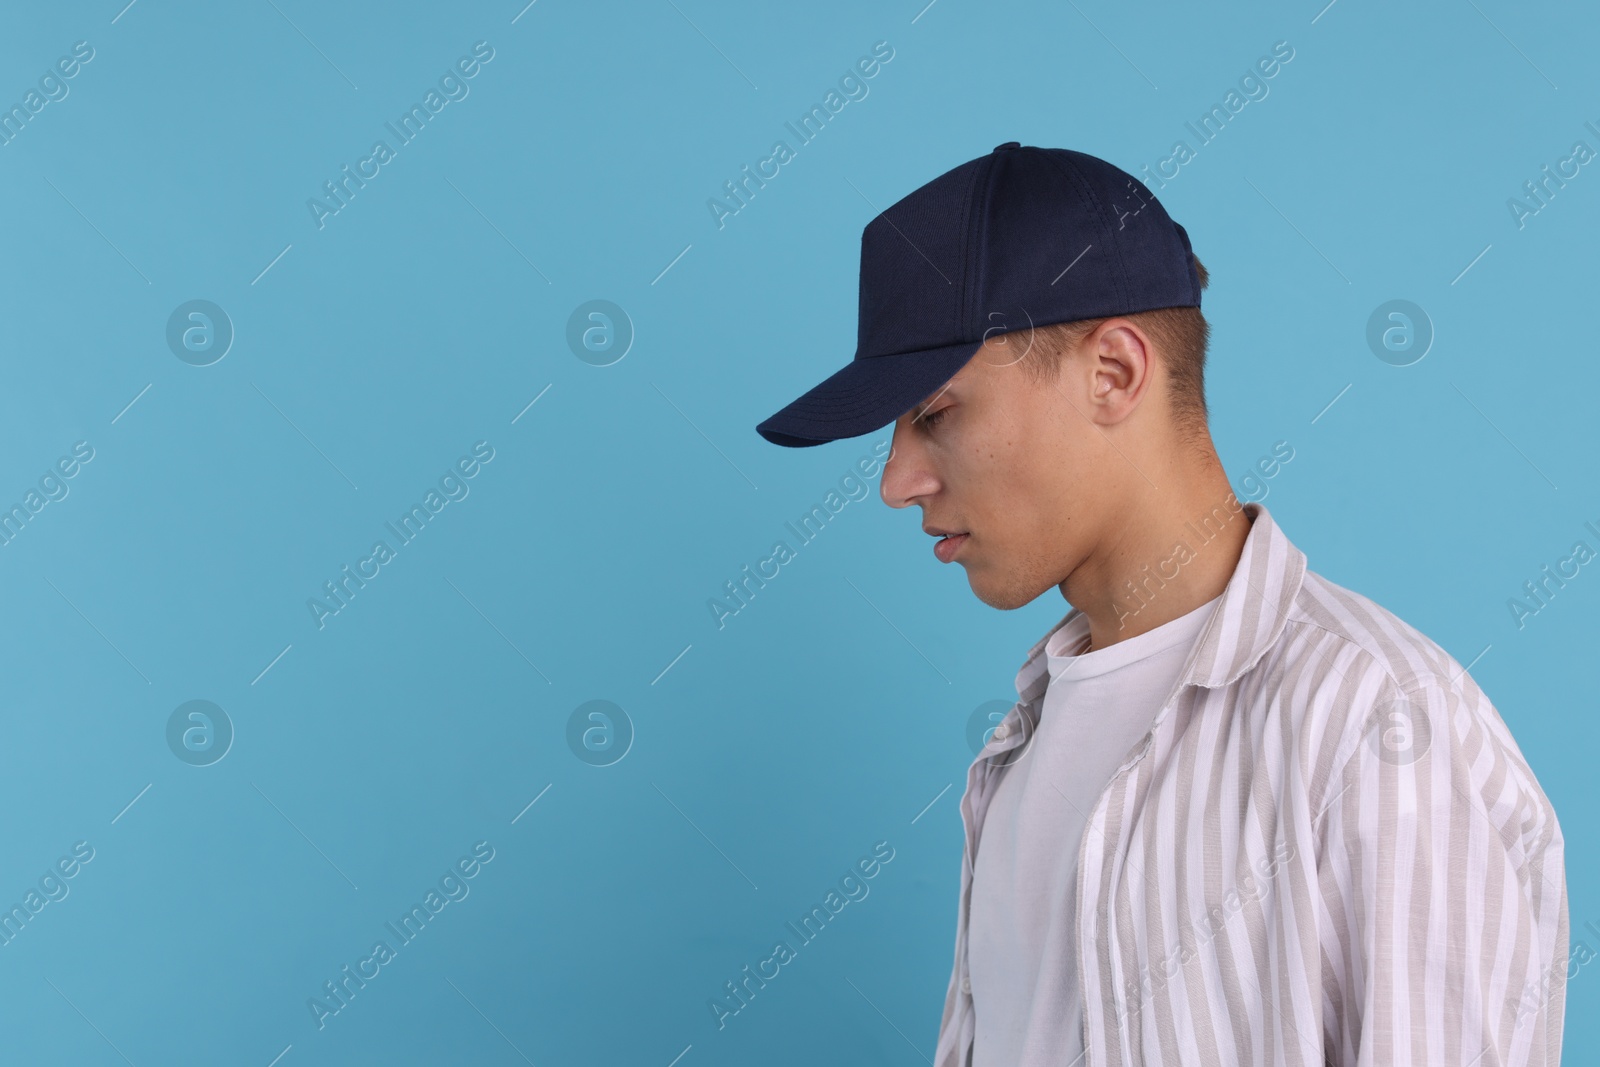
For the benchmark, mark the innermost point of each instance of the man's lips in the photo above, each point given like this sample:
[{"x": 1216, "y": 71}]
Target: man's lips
[{"x": 947, "y": 547}]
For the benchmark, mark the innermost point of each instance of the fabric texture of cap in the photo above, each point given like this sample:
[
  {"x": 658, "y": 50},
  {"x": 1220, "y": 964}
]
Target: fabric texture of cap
[{"x": 1018, "y": 238}]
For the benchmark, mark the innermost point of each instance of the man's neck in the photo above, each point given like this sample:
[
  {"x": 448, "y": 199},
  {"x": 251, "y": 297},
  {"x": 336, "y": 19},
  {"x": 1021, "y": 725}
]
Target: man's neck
[{"x": 1171, "y": 550}]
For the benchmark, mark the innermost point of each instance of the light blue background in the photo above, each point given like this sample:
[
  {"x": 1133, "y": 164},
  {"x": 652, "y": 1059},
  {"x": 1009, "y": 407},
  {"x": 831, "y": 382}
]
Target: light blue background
[{"x": 828, "y": 713}]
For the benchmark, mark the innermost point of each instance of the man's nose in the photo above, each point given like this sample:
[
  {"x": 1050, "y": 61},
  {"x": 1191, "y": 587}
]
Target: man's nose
[{"x": 904, "y": 478}]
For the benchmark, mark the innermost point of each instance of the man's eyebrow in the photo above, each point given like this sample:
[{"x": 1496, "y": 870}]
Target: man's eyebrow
[{"x": 926, "y": 404}]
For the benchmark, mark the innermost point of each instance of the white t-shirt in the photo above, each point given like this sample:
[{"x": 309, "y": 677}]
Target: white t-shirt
[{"x": 1097, "y": 707}]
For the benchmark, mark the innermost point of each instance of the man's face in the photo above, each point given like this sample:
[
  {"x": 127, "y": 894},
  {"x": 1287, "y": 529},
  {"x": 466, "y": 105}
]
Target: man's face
[{"x": 1016, "y": 466}]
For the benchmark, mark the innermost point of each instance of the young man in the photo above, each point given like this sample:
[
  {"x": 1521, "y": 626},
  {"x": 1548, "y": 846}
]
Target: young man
[{"x": 1239, "y": 814}]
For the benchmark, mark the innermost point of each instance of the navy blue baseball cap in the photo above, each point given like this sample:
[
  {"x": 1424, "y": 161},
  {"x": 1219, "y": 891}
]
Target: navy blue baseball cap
[{"x": 1018, "y": 238}]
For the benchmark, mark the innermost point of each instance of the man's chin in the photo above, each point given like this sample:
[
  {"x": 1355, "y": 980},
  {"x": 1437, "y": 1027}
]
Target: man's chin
[{"x": 1002, "y": 596}]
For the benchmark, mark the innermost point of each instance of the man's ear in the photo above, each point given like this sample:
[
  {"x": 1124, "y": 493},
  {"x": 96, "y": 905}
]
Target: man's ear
[{"x": 1120, "y": 362}]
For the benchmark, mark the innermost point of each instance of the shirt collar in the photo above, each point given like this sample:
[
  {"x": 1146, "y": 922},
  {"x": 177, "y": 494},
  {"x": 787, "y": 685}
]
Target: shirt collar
[{"x": 1247, "y": 621}]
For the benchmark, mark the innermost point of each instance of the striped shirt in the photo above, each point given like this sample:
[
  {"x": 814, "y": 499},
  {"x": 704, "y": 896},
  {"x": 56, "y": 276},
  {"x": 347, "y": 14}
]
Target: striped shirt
[{"x": 1327, "y": 849}]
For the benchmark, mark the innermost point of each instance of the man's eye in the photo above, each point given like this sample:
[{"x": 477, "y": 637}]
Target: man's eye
[{"x": 935, "y": 417}]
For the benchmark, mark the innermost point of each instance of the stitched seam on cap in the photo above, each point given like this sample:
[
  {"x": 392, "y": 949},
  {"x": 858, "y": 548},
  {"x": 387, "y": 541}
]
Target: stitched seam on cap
[
  {"x": 1120, "y": 277},
  {"x": 969, "y": 251}
]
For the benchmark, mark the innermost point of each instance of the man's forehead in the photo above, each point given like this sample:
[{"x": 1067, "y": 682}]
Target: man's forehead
[
  {"x": 953, "y": 382},
  {"x": 937, "y": 393},
  {"x": 927, "y": 401}
]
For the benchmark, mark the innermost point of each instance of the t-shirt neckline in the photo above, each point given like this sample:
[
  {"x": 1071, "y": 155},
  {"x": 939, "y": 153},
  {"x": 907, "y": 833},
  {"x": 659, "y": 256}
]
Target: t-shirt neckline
[{"x": 1059, "y": 661}]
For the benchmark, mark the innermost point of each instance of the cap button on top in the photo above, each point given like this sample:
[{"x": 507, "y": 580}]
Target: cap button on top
[{"x": 1008, "y": 144}]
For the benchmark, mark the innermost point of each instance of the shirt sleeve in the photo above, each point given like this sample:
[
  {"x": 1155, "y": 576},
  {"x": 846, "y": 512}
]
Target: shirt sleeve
[{"x": 1444, "y": 891}]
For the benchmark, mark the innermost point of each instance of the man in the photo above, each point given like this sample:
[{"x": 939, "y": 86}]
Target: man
[{"x": 1239, "y": 814}]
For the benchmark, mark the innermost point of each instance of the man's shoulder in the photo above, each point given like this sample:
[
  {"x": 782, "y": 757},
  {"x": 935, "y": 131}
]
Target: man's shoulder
[
  {"x": 1397, "y": 687},
  {"x": 1350, "y": 674},
  {"x": 1409, "y": 705},
  {"x": 1337, "y": 625}
]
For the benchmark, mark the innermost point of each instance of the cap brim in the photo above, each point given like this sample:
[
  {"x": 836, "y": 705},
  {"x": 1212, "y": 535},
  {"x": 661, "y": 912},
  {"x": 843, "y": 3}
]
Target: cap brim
[{"x": 865, "y": 395}]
